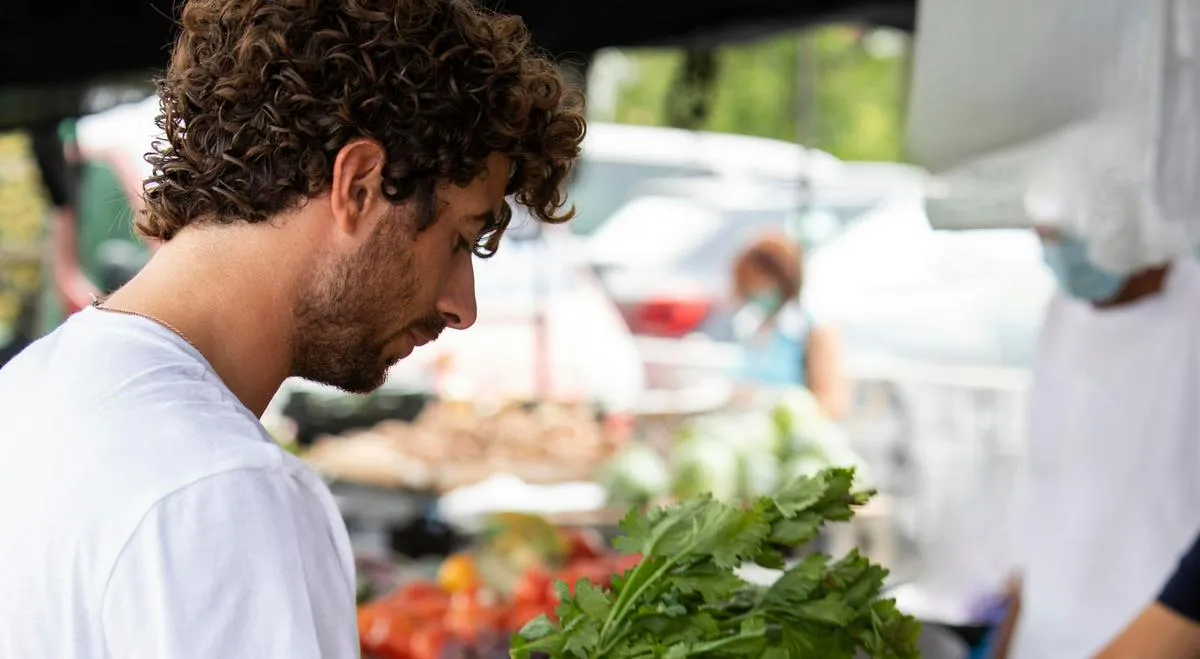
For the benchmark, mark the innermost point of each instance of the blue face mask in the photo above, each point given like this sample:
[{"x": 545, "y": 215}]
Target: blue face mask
[
  {"x": 1068, "y": 260},
  {"x": 765, "y": 303}
]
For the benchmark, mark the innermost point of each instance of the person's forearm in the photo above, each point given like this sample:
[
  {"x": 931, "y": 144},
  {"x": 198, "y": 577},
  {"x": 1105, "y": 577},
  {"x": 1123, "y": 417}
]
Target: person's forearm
[
  {"x": 834, "y": 403},
  {"x": 1003, "y": 635},
  {"x": 1158, "y": 633},
  {"x": 823, "y": 371}
]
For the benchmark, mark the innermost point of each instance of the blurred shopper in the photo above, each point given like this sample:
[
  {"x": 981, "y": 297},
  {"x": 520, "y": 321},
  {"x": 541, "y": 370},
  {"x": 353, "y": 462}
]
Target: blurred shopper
[
  {"x": 1114, "y": 461},
  {"x": 328, "y": 174},
  {"x": 783, "y": 345}
]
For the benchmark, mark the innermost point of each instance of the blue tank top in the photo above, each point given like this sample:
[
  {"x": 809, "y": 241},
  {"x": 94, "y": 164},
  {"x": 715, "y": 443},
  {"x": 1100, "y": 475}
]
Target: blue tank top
[{"x": 777, "y": 358}]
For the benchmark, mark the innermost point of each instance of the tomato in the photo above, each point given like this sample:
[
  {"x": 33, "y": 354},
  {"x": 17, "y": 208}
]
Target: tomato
[
  {"x": 416, "y": 590},
  {"x": 625, "y": 563},
  {"x": 384, "y": 633},
  {"x": 428, "y": 642},
  {"x": 465, "y": 617},
  {"x": 372, "y": 627},
  {"x": 518, "y": 616},
  {"x": 568, "y": 576},
  {"x": 599, "y": 572},
  {"x": 418, "y": 600},
  {"x": 534, "y": 587}
]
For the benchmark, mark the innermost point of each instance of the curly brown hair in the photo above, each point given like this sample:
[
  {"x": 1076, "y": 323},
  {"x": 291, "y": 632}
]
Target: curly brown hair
[{"x": 260, "y": 96}]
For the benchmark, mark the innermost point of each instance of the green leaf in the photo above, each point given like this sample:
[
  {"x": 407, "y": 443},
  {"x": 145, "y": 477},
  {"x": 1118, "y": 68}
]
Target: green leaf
[
  {"x": 799, "y": 494},
  {"x": 750, "y": 641},
  {"x": 538, "y": 628},
  {"x": 677, "y": 651},
  {"x": 859, "y": 580},
  {"x": 537, "y": 636},
  {"x": 798, "y": 530},
  {"x": 816, "y": 642},
  {"x": 830, "y": 609},
  {"x": 583, "y": 638},
  {"x": 893, "y": 634},
  {"x": 797, "y": 584},
  {"x": 635, "y": 530},
  {"x": 684, "y": 600},
  {"x": 770, "y": 558},
  {"x": 709, "y": 581},
  {"x": 591, "y": 600},
  {"x": 839, "y": 500}
]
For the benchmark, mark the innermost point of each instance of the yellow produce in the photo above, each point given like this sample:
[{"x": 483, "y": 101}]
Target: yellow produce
[{"x": 458, "y": 574}]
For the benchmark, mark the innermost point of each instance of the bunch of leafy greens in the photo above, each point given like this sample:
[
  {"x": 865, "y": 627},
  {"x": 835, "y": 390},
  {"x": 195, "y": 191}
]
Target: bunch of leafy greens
[{"x": 684, "y": 599}]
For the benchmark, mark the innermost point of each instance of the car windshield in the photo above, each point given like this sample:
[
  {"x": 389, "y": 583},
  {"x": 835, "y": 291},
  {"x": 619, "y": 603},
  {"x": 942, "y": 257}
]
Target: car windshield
[
  {"x": 532, "y": 259},
  {"x": 684, "y": 234},
  {"x": 600, "y": 187},
  {"x": 812, "y": 227}
]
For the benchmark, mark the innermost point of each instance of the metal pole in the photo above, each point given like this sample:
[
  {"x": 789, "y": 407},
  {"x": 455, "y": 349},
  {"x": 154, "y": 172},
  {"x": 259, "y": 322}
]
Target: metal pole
[
  {"x": 806, "y": 117},
  {"x": 542, "y": 379}
]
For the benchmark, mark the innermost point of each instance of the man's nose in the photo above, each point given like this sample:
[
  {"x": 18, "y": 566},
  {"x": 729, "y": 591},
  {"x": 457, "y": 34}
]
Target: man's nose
[{"x": 457, "y": 302}]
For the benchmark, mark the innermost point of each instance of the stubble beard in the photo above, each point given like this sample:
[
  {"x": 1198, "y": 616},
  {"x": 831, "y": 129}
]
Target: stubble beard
[{"x": 341, "y": 330}]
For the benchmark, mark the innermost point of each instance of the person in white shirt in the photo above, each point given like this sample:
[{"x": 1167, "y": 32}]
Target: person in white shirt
[
  {"x": 327, "y": 174},
  {"x": 1114, "y": 461}
]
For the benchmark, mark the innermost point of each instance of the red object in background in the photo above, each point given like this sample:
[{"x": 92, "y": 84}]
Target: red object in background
[
  {"x": 583, "y": 545},
  {"x": 419, "y": 620},
  {"x": 667, "y": 318},
  {"x": 625, "y": 563},
  {"x": 427, "y": 642},
  {"x": 619, "y": 428},
  {"x": 534, "y": 587}
]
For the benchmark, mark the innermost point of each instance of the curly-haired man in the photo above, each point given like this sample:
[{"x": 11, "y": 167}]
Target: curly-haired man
[{"x": 328, "y": 171}]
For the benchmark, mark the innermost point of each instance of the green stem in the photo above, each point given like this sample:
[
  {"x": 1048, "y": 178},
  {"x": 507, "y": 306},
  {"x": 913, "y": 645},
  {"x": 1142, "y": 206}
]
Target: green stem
[
  {"x": 627, "y": 598},
  {"x": 717, "y": 645},
  {"x": 737, "y": 620}
]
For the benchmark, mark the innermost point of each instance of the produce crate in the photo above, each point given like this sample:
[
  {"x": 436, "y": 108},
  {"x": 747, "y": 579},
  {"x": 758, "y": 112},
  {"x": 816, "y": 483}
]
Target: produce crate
[{"x": 317, "y": 416}]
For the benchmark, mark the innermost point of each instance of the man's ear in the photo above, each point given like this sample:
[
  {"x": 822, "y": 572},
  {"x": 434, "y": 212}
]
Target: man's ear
[{"x": 355, "y": 196}]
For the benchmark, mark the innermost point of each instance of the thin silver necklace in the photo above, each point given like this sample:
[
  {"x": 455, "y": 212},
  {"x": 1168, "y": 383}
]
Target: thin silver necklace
[{"x": 99, "y": 304}]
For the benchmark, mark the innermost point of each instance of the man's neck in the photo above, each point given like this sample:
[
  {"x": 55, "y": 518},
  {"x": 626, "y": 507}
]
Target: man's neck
[
  {"x": 222, "y": 296},
  {"x": 1141, "y": 285}
]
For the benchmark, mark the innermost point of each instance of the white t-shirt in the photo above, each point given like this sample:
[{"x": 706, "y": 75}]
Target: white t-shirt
[
  {"x": 145, "y": 513},
  {"x": 1113, "y": 498}
]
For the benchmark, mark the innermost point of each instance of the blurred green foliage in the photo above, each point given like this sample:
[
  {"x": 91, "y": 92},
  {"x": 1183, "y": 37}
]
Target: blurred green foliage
[
  {"x": 838, "y": 88},
  {"x": 22, "y": 209}
]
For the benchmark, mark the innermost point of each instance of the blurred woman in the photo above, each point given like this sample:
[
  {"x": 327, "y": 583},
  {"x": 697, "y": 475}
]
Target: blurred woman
[{"x": 783, "y": 346}]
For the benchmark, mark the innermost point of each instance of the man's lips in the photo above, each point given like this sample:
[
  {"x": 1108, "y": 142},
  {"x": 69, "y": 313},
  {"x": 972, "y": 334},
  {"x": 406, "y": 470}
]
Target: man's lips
[{"x": 421, "y": 337}]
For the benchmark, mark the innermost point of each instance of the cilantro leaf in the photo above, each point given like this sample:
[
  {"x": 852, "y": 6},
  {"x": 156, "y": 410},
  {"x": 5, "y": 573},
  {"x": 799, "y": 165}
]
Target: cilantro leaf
[{"x": 683, "y": 599}]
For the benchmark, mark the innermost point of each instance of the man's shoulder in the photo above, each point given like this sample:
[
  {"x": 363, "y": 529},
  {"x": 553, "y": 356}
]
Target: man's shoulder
[
  {"x": 141, "y": 421},
  {"x": 97, "y": 355},
  {"x": 248, "y": 482},
  {"x": 204, "y": 446}
]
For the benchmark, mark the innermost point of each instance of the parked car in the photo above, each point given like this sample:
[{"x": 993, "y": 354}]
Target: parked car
[
  {"x": 617, "y": 158},
  {"x": 666, "y": 256}
]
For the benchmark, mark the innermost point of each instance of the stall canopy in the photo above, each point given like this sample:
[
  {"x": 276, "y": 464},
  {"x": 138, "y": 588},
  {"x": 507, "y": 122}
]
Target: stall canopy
[
  {"x": 49, "y": 51},
  {"x": 1108, "y": 129}
]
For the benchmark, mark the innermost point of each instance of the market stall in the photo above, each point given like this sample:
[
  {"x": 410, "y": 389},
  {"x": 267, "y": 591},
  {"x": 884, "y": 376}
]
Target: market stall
[
  {"x": 527, "y": 494},
  {"x": 677, "y": 579}
]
